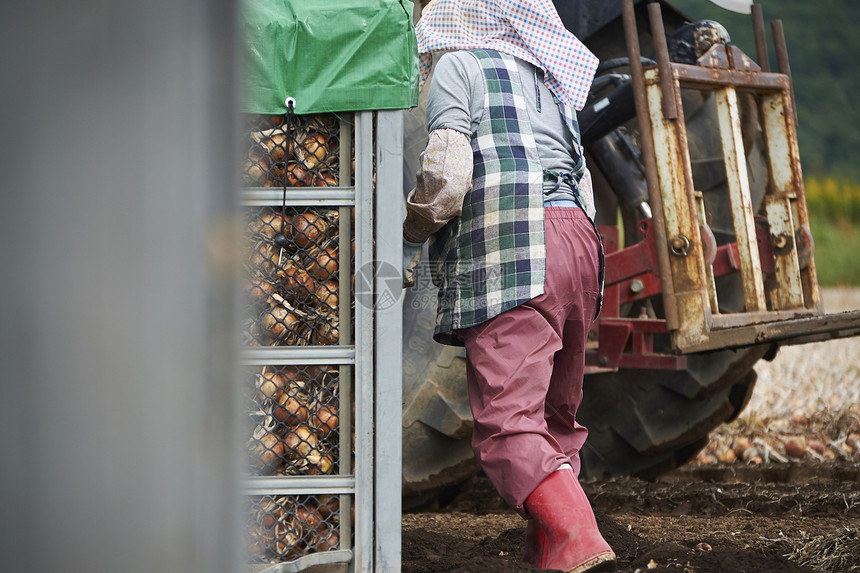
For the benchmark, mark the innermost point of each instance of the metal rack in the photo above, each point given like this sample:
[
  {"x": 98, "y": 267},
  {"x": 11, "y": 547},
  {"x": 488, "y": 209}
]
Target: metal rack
[
  {"x": 327, "y": 503},
  {"x": 772, "y": 247}
]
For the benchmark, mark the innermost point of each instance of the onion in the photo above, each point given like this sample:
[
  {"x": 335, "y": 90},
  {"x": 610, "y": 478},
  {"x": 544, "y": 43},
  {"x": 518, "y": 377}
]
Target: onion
[
  {"x": 300, "y": 283},
  {"x": 270, "y": 385},
  {"x": 725, "y": 455},
  {"x": 258, "y": 540},
  {"x": 259, "y": 289},
  {"x": 795, "y": 446},
  {"x": 290, "y": 411},
  {"x": 322, "y": 465},
  {"x": 323, "y": 264},
  {"x": 328, "y": 540},
  {"x": 308, "y": 228},
  {"x": 742, "y": 444},
  {"x": 269, "y": 224},
  {"x": 326, "y": 294},
  {"x": 255, "y": 172},
  {"x": 327, "y": 504},
  {"x": 326, "y": 180},
  {"x": 300, "y": 441},
  {"x": 309, "y": 517},
  {"x": 280, "y": 322},
  {"x": 325, "y": 421},
  {"x": 269, "y": 451},
  {"x": 265, "y": 257},
  {"x": 297, "y": 176},
  {"x": 318, "y": 373},
  {"x": 799, "y": 418},
  {"x": 268, "y": 513},
  {"x": 750, "y": 455},
  {"x": 276, "y": 146},
  {"x": 817, "y": 446},
  {"x": 325, "y": 334},
  {"x": 315, "y": 149},
  {"x": 286, "y": 537}
]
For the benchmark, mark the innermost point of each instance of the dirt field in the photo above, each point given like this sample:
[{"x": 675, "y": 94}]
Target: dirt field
[{"x": 787, "y": 497}]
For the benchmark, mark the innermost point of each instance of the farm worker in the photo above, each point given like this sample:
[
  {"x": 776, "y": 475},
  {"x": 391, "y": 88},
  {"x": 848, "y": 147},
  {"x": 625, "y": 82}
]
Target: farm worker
[{"x": 506, "y": 202}]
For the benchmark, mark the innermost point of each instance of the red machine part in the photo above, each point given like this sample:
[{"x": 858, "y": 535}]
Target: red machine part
[{"x": 632, "y": 275}]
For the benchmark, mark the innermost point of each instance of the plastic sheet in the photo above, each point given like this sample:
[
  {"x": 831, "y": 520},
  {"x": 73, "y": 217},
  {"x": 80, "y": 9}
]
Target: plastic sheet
[{"x": 329, "y": 56}]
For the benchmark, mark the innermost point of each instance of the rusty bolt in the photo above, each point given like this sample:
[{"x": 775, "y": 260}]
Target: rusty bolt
[
  {"x": 779, "y": 241},
  {"x": 637, "y": 286},
  {"x": 680, "y": 246}
]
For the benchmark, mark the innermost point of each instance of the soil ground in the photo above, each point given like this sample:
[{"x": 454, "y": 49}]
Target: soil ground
[
  {"x": 716, "y": 518},
  {"x": 766, "y": 513}
]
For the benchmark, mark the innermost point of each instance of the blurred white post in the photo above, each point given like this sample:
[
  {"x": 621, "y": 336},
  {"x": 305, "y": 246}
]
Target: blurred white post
[{"x": 116, "y": 190}]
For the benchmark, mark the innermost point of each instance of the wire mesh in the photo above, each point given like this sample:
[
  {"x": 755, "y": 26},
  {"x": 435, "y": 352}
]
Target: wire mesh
[
  {"x": 304, "y": 149},
  {"x": 293, "y": 268},
  {"x": 283, "y": 528},
  {"x": 294, "y": 294},
  {"x": 295, "y": 420}
]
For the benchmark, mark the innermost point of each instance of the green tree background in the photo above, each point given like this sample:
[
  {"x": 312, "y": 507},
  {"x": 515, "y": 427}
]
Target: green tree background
[{"x": 824, "y": 52}]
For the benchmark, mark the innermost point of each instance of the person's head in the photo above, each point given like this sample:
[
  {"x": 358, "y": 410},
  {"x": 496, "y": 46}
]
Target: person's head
[{"x": 527, "y": 29}]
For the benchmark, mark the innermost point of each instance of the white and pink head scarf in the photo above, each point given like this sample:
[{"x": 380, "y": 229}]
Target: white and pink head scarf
[{"x": 527, "y": 29}]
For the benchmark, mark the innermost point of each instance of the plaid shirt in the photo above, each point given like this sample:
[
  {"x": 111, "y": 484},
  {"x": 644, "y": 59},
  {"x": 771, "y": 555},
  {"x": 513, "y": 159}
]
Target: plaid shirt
[
  {"x": 492, "y": 257},
  {"x": 528, "y": 29}
]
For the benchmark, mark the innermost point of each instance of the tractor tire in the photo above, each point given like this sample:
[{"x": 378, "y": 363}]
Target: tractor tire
[
  {"x": 647, "y": 422},
  {"x": 437, "y": 419}
]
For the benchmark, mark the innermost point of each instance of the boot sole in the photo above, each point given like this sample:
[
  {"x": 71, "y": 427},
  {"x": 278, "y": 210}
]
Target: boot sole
[{"x": 602, "y": 563}]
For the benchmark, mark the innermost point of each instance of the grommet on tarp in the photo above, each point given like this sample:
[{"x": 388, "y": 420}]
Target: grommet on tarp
[{"x": 280, "y": 239}]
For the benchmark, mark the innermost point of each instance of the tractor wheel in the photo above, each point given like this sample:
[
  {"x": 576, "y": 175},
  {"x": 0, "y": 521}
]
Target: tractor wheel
[
  {"x": 437, "y": 420},
  {"x": 647, "y": 422}
]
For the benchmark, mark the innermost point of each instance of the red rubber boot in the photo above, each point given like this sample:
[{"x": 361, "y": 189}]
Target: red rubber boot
[
  {"x": 535, "y": 543},
  {"x": 563, "y": 513}
]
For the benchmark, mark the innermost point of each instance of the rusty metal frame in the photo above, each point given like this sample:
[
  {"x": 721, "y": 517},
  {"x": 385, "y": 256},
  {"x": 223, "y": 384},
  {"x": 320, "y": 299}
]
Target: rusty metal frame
[{"x": 693, "y": 320}]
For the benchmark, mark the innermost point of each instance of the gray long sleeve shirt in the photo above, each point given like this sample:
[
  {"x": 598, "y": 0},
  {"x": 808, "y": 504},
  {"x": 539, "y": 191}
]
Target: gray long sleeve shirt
[{"x": 456, "y": 101}]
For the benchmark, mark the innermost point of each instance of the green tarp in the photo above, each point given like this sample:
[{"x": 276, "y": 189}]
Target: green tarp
[{"x": 329, "y": 55}]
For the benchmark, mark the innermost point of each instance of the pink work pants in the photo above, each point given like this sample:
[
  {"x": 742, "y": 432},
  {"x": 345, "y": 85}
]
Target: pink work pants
[{"x": 525, "y": 366}]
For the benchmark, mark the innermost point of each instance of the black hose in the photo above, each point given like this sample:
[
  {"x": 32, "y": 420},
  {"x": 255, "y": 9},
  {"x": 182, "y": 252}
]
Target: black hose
[{"x": 608, "y": 65}]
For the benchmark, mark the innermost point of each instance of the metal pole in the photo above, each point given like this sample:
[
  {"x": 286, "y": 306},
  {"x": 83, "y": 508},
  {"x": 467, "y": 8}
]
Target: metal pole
[
  {"x": 649, "y": 159},
  {"x": 760, "y": 40},
  {"x": 345, "y": 328},
  {"x": 780, "y": 47},
  {"x": 364, "y": 419},
  {"x": 667, "y": 84},
  {"x": 388, "y": 312},
  {"x": 782, "y": 60}
]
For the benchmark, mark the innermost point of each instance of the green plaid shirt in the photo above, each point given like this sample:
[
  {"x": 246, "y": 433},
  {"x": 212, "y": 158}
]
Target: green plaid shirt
[{"x": 492, "y": 257}]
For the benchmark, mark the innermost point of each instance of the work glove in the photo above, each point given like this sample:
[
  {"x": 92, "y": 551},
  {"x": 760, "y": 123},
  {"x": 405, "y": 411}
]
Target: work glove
[{"x": 411, "y": 256}]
